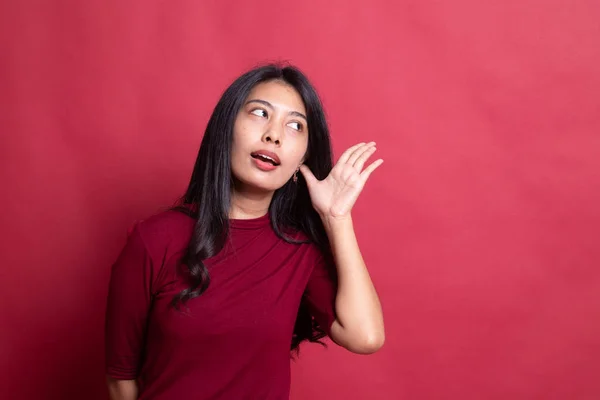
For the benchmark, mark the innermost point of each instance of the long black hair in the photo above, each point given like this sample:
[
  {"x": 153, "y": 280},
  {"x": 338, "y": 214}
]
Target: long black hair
[{"x": 209, "y": 190}]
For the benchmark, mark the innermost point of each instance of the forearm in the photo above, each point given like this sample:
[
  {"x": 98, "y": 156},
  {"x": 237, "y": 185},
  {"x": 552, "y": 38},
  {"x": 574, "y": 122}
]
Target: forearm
[
  {"x": 359, "y": 324},
  {"x": 122, "y": 389}
]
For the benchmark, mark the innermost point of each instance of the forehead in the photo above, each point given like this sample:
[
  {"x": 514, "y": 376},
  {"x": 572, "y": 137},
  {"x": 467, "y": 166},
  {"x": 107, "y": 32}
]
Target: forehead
[{"x": 279, "y": 94}]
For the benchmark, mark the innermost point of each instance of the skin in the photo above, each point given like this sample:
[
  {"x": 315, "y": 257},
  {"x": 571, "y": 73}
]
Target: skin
[
  {"x": 271, "y": 119},
  {"x": 122, "y": 389}
]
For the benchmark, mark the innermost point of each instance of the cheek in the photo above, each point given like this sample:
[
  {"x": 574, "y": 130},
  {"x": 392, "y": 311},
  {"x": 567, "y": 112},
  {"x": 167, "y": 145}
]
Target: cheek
[
  {"x": 298, "y": 151},
  {"x": 303, "y": 146}
]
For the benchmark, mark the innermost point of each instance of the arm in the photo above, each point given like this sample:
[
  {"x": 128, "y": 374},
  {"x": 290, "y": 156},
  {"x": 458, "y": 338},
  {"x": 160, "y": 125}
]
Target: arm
[
  {"x": 128, "y": 302},
  {"x": 122, "y": 389},
  {"x": 359, "y": 320}
]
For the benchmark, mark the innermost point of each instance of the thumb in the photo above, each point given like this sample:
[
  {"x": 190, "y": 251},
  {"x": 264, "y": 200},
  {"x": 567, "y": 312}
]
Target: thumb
[{"x": 308, "y": 175}]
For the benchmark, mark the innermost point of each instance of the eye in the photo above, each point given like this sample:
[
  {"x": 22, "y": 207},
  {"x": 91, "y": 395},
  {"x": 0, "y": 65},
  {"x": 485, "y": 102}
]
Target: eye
[
  {"x": 259, "y": 112},
  {"x": 296, "y": 125}
]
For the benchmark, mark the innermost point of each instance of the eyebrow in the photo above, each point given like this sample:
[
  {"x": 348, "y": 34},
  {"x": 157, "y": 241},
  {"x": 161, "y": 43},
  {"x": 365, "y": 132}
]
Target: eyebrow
[{"x": 266, "y": 103}]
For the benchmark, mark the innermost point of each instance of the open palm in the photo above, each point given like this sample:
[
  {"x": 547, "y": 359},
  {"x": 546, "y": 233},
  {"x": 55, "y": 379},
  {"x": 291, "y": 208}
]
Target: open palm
[{"x": 335, "y": 195}]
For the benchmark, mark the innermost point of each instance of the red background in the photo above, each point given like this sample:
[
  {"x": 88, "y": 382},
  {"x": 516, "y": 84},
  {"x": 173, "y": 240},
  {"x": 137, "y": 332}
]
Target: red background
[{"x": 480, "y": 230}]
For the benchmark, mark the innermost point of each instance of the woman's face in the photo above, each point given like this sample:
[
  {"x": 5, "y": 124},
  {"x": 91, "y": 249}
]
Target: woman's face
[{"x": 270, "y": 137}]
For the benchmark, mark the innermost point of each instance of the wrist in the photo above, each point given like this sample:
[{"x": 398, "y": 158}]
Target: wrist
[{"x": 333, "y": 224}]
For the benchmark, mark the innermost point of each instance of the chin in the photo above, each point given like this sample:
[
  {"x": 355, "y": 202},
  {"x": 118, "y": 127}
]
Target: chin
[{"x": 259, "y": 184}]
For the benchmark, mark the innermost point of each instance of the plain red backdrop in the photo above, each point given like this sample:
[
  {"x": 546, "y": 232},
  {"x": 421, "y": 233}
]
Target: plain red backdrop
[{"x": 480, "y": 230}]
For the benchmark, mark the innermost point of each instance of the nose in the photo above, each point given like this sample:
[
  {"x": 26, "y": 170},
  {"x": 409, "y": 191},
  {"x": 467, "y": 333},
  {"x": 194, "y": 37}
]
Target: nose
[{"x": 272, "y": 135}]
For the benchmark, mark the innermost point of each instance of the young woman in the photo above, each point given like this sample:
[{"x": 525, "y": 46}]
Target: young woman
[{"x": 206, "y": 300}]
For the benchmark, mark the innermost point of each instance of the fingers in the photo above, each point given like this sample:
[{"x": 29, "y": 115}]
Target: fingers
[
  {"x": 357, "y": 153},
  {"x": 362, "y": 158},
  {"x": 351, "y": 155},
  {"x": 369, "y": 170},
  {"x": 308, "y": 175},
  {"x": 346, "y": 155}
]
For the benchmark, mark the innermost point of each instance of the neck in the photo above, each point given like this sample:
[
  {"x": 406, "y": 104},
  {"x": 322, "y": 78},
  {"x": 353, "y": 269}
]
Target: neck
[{"x": 247, "y": 204}]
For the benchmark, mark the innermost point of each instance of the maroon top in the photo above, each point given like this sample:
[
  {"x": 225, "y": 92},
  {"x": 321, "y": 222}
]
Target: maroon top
[{"x": 234, "y": 340}]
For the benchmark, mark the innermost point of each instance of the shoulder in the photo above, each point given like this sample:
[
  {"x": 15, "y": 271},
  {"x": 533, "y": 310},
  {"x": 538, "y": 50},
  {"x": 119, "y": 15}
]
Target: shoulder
[
  {"x": 295, "y": 234},
  {"x": 166, "y": 230},
  {"x": 311, "y": 251}
]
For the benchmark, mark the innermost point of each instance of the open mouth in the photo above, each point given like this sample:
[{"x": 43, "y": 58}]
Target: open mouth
[{"x": 265, "y": 158}]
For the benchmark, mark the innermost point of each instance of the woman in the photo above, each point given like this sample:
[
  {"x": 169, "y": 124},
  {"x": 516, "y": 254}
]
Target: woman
[{"x": 206, "y": 300}]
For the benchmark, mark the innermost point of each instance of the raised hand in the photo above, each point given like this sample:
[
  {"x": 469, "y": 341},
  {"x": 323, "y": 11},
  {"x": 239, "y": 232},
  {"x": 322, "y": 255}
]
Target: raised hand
[{"x": 334, "y": 196}]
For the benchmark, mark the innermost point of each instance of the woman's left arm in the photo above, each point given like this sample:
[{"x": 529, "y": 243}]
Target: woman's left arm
[{"x": 359, "y": 319}]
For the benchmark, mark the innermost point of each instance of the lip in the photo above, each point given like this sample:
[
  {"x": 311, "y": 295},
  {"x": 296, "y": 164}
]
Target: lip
[
  {"x": 268, "y": 154},
  {"x": 263, "y": 165}
]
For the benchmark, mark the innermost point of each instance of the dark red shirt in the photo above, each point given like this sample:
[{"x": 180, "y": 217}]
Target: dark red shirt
[{"x": 233, "y": 341}]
